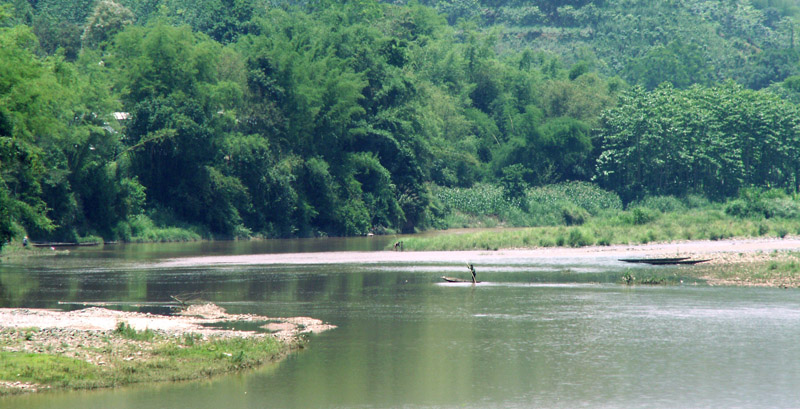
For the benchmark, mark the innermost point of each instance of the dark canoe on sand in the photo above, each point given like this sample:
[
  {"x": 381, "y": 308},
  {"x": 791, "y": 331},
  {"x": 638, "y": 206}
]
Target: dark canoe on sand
[
  {"x": 654, "y": 260},
  {"x": 456, "y": 280},
  {"x": 680, "y": 262},
  {"x": 663, "y": 261}
]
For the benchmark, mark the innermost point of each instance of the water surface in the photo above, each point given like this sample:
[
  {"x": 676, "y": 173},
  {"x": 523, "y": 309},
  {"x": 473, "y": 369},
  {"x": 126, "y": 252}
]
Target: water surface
[{"x": 545, "y": 334}]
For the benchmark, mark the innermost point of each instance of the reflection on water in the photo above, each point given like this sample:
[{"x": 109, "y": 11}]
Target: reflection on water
[{"x": 538, "y": 335}]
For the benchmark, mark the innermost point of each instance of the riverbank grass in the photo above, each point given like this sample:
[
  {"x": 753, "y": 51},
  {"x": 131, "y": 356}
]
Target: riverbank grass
[
  {"x": 636, "y": 226},
  {"x": 16, "y": 250},
  {"x": 29, "y": 360},
  {"x": 45, "y": 370},
  {"x": 774, "y": 269}
]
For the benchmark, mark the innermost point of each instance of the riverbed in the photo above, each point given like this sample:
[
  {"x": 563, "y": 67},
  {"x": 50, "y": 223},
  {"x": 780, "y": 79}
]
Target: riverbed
[{"x": 555, "y": 330}]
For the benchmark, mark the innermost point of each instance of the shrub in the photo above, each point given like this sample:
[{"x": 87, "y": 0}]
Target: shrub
[
  {"x": 513, "y": 181},
  {"x": 663, "y": 204},
  {"x": 546, "y": 242},
  {"x": 639, "y": 216},
  {"x": 574, "y": 215},
  {"x": 143, "y": 229},
  {"x": 581, "y": 194},
  {"x": 754, "y": 202},
  {"x": 579, "y": 238},
  {"x": 782, "y": 207},
  {"x": 126, "y": 331},
  {"x": 604, "y": 240},
  {"x": 737, "y": 208},
  {"x": 517, "y": 217},
  {"x": 696, "y": 201},
  {"x": 90, "y": 239}
]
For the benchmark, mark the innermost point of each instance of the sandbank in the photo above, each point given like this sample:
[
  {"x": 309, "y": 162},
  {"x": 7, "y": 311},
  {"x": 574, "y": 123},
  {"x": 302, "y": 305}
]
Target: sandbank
[{"x": 719, "y": 251}]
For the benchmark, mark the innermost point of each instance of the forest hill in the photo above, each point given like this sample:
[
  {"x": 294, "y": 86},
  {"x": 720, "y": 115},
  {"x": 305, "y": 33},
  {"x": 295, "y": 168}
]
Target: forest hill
[{"x": 343, "y": 118}]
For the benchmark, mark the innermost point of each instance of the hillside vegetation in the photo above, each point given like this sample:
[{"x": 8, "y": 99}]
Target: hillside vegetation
[{"x": 173, "y": 120}]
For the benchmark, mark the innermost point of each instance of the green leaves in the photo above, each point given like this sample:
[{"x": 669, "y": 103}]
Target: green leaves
[
  {"x": 107, "y": 19},
  {"x": 513, "y": 182},
  {"x": 706, "y": 140},
  {"x": 161, "y": 60},
  {"x": 681, "y": 64}
]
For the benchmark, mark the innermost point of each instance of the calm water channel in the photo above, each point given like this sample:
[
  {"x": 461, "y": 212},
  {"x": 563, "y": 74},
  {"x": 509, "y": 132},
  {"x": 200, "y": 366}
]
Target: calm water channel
[{"x": 559, "y": 334}]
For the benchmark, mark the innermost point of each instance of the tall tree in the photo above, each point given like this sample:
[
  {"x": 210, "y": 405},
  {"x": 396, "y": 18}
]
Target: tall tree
[{"x": 107, "y": 19}]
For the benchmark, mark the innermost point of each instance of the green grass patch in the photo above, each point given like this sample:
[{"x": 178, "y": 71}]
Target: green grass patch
[
  {"x": 131, "y": 357},
  {"x": 775, "y": 269},
  {"x": 182, "y": 360},
  {"x": 642, "y": 277},
  {"x": 53, "y": 370}
]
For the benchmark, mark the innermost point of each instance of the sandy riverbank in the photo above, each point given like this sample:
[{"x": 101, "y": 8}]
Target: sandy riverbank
[
  {"x": 191, "y": 320},
  {"x": 739, "y": 262},
  {"x": 719, "y": 251},
  {"x": 92, "y": 336}
]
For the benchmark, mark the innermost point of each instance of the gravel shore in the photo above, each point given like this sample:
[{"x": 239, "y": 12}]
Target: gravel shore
[{"x": 91, "y": 334}]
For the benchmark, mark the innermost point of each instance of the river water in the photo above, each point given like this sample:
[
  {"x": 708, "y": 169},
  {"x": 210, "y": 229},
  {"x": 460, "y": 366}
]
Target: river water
[{"x": 544, "y": 334}]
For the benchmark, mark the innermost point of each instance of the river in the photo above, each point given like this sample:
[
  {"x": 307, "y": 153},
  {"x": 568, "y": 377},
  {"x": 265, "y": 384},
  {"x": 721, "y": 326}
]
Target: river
[{"x": 549, "y": 333}]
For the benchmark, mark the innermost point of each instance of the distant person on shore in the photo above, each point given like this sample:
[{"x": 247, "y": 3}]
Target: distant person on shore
[{"x": 25, "y": 241}]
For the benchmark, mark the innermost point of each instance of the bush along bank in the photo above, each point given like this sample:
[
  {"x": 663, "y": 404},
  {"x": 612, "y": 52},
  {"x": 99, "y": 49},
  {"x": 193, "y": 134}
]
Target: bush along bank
[{"x": 581, "y": 214}]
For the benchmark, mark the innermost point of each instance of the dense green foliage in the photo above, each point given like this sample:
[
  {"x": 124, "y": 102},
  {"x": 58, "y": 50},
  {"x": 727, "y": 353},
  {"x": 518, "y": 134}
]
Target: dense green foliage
[
  {"x": 169, "y": 119},
  {"x": 712, "y": 141},
  {"x": 684, "y": 42},
  {"x": 561, "y": 204}
]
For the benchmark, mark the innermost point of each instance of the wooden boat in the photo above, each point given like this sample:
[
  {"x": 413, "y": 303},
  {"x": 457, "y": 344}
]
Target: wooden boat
[
  {"x": 457, "y": 280},
  {"x": 667, "y": 260},
  {"x": 664, "y": 261},
  {"x": 680, "y": 262}
]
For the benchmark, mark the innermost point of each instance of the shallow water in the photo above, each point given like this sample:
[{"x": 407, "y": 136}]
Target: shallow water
[{"x": 545, "y": 334}]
